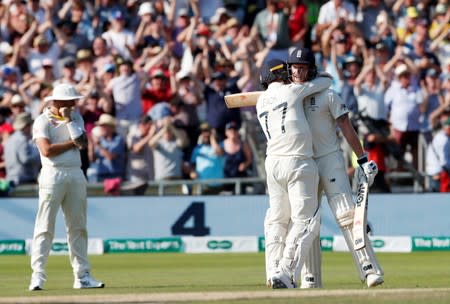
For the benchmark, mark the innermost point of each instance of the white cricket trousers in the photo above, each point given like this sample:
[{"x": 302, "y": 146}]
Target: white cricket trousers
[
  {"x": 289, "y": 224},
  {"x": 65, "y": 188}
]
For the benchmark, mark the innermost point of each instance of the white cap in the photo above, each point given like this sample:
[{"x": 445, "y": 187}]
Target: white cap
[
  {"x": 16, "y": 99},
  {"x": 145, "y": 8},
  {"x": 183, "y": 74},
  {"x": 64, "y": 91},
  {"x": 401, "y": 69}
]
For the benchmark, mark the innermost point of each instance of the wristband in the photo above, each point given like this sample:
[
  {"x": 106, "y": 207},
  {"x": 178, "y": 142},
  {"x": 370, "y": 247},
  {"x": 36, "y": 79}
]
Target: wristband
[
  {"x": 74, "y": 130},
  {"x": 363, "y": 159}
]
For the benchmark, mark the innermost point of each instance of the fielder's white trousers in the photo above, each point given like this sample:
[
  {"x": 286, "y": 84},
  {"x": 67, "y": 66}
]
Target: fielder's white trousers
[{"x": 65, "y": 188}]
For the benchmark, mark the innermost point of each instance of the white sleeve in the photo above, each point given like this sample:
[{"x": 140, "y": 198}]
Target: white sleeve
[
  {"x": 40, "y": 129},
  {"x": 316, "y": 85}
]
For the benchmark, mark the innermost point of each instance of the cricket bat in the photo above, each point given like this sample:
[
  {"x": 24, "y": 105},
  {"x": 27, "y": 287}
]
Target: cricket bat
[
  {"x": 360, "y": 217},
  {"x": 239, "y": 100}
]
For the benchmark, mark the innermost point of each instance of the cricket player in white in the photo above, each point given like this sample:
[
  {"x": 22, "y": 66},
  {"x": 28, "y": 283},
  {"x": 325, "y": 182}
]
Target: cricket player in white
[
  {"x": 59, "y": 134},
  {"x": 324, "y": 112},
  {"x": 292, "y": 176}
]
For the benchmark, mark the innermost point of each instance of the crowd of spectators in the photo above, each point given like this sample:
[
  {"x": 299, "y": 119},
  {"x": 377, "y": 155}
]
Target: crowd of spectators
[{"x": 154, "y": 74}]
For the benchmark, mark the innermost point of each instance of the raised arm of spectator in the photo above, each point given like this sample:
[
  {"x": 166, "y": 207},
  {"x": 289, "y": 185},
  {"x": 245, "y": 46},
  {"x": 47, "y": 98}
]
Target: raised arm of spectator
[
  {"x": 246, "y": 72},
  {"x": 397, "y": 6},
  {"x": 61, "y": 38},
  {"x": 367, "y": 67},
  {"x": 155, "y": 60},
  {"x": 215, "y": 145},
  {"x": 139, "y": 38},
  {"x": 400, "y": 57},
  {"x": 24, "y": 86},
  {"x": 326, "y": 40},
  {"x": 26, "y": 39},
  {"x": 444, "y": 106},
  {"x": 173, "y": 69},
  {"x": 62, "y": 13},
  {"x": 5, "y": 15},
  {"x": 439, "y": 39},
  {"x": 333, "y": 57},
  {"x": 180, "y": 135},
  {"x": 138, "y": 146}
]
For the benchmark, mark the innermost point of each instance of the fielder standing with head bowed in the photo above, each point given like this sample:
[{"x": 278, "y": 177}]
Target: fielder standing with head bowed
[
  {"x": 292, "y": 220},
  {"x": 59, "y": 134},
  {"x": 325, "y": 111}
]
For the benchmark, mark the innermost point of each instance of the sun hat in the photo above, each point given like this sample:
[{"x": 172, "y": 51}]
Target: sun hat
[
  {"x": 16, "y": 100},
  {"x": 106, "y": 120},
  {"x": 145, "y": 8},
  {"x": 64, "y": 91},
  {"x": 22, "y": 120},
  {"x": 401, "y": 69}
]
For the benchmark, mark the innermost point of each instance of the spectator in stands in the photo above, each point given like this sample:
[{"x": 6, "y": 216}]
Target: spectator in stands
[
  {"x": 17, "y": 106},
  {"x": 432, "y": 99},
  {"x": 118, "y": 38},
  {"x": 422, "y": 58},
  {"x": 73, "y": 39},
  {"x": 68, "y": 72},
  {"x": 140, "y": 155},
  {"x": 157, "y": 90},
  {"x": 109, "y": 154},
  {"x": 126, "y": 93},
  {"x": 21, "y": 155},
  {"x": 102, "y": 56},
  {"x": 168, "y": 144},
  {"x": 271, "y": 29},
  {"x": 298, "y": 22},
  {"x": 402, "y": 100},
  {"x": 93, "y": 107},
  {"x": 370, "y": 87},
  {"x": 350, "y": 70},
  {"x": 217, "y": 114},
  {"x": 207, "y": 159},
  {"x": 335, "y": 11},
  {"x": 75, "y": 11},
  {"x": 438, "y": 158},
  {"x": 367, "y": 14},
  {"x": 238, "y": 155},
  {"x": 85, "y": 68},
  {"x": 42, "y": 47}
]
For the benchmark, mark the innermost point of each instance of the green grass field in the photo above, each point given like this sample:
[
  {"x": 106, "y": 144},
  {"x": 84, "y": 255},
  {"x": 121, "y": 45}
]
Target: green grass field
[{"x": 422, "y": 277}]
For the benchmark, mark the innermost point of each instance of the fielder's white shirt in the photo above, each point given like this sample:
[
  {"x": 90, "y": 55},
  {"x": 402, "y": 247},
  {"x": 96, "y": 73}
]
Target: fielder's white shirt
[
  {"x": 282, "y": 118},
  {"x": 322, "y": 110},
  {"x": 55, "y": 130}
]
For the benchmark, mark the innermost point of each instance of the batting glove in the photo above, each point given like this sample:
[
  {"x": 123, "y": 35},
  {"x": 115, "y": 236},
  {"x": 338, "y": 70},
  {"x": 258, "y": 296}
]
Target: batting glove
[{"x": 367, "y": 168}]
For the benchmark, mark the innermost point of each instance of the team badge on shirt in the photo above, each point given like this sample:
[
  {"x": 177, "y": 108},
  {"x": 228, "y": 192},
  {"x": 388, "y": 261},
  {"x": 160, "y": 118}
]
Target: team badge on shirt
[{"x": 312, "y": 104}]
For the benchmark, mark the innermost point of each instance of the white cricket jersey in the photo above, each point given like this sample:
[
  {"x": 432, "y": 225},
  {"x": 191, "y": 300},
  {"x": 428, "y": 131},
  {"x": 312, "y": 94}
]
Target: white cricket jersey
[
  {"x": 55, "y": 130},
  {"x": 322, "y": 110},
  {"x": 282, "y": 118}
]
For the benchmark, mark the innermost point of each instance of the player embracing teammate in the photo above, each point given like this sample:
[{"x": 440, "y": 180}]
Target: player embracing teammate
[{"x": 323, "y": 111}]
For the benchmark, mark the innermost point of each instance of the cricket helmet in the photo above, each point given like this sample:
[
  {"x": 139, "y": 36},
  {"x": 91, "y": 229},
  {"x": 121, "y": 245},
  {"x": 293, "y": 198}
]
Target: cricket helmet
[
  {"x": 273, "y": 70},
  {"x": 304, "y": 56}
]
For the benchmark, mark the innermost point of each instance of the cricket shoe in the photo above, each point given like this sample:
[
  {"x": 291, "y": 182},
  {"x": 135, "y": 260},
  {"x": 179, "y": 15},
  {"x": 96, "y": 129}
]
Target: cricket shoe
[
  {"x": 87, "y": 281},
  {"x": 374, "y": 279},
  {"x": 37, "y": 281},
  {"x": 282, "y": 280}
]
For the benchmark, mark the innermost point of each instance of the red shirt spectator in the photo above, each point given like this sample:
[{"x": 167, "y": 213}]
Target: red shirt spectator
[
  {"x": 157, "y": 91},
  {"x": 297, "y": 21}
]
